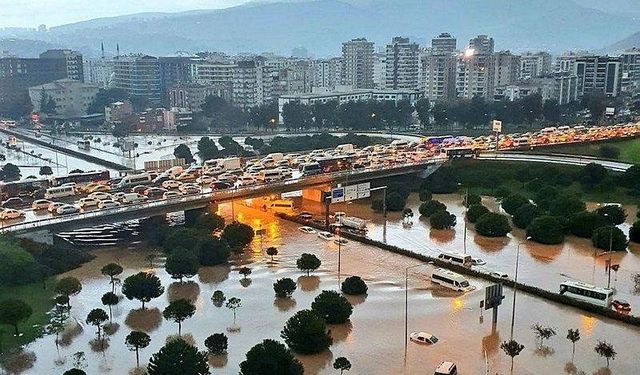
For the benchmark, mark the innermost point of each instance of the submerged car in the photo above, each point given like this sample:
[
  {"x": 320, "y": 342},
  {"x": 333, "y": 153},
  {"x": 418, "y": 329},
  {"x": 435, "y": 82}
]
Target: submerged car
[
  {"x": 423, "y": 338},
  {"x": 307, "y": 230}
]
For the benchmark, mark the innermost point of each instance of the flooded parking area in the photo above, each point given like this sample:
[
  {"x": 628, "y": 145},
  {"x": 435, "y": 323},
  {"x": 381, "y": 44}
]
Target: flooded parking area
[{"x": 374, "y": 338}]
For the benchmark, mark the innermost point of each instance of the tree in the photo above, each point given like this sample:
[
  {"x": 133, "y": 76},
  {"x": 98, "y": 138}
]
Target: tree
[
  {"x": 68, "y": 286},
  {"x": 354, "y": 285},
  {"x": 596, "y": 104},
  {"x": 178, "y": 357},
  {"x": 543, "y": 332},
  {"x": 238, "y": 235},
  {"x": 217, "y": 343},
  {"x": 573, "y": 335},
  {"x": 471, "y": 199},
  {"x": 244, "y": 271},
  {"x": 178, "y": 311},
  {"x": 592, "y": 174},
  {"x": 511, "y": 203},
  {"x": 121, "y": 130},
  {"x": 45, "y": 170},
  {"x": 634, "y": 232},
  {"x": 111, "y": 270},
  {"x": 395, "y": 201},
  {"x": 270, "y": 357},
  {"x": 207, "y": 149},
  {"x": 584, "y": 223},
  {"x": 609, "y": 152},
  {"x": 211, "y": 251},
  {"x": 342, "y": 364},
  {"x": 182, "y": 263},
  {"x": 606, "y": 350},
  {"x": 135, "y": 341},
  {"x": 423, "y": 108},
  {"x": 209, "y": 222},
  {"x": 105, "y": 97},
  {"x": 612, "y": 215},
  {"x": 47, "y": 104},
  {"x": 442, "y": 181},
  {"x": 110, "y": 299},
  {"x": 234, "y": 304},
  {"x": 308, "y": 262},
  {"x": 551, "y": 110},
  {"x": 425, "y": 195},
  {"x": 429, "y": 208},
  {"x": 284, "y": 287},
  {"x": 306, "y": 333},
  {"x": 332, "y": 307},
  {"x": 525, "y": 214},
  {"x": 493, "y": 224},
  {"x": 511, "y": 348},
  {"x": 566, "y": 204},
  {"x": 442, "y": 220},
  {"x": 218, "y": 298},
  {"x": 546, "y": 230},
  {"x": 10, "y": 172},
  {"x": 97, "y": 317},
  {"x": 183, "y": 152},
  {"x": 609, "y": 237},
  {"x": 142, "y": 286},
  {"x": 296, "y": 116},
  {"x": 13, "y": 312},
  {"x": 74, "y": 371},
  {"x": 272, "y": 251},
  {"x": 475, "y": 211}
]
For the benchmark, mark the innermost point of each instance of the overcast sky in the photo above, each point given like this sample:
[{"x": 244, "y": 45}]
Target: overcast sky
[{"x": 31, "y": 13}]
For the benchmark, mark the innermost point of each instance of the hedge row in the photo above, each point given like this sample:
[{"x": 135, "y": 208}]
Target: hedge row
[{"x": 542, "y": 293}]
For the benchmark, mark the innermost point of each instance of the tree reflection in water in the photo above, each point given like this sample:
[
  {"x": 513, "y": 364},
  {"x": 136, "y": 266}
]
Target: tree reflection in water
[
  {"x": 314, "y": 364},
  {"x": 491, "y": 245},
  {"x": 214, "y": 275},
  {"x": 189, "y": 290},
  {"x": 442, "y": 236},
  {"x": 284, "y": 304},
  {"x": 340, "y": 332},
  {"x": 19, "y": 361},
  {"x": 146, "y": 320},
  {"x": 309, "y": 283},
  {"x": 218, "y": 361}
]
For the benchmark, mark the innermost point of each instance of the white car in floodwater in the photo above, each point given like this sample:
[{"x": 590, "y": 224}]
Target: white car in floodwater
[
  {"x": 325, "y": 236},
  {"x": 307, "y": 230},
  {"x": 423, "y": 338}
]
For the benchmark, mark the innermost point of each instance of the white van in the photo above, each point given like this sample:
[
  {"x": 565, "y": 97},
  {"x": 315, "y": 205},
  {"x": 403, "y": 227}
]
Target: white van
[
  {"x": 345, "y": 148},
  {"x": 281, "y": 205},
  {"x": 399, "y": 144},
  {"x": 133, "y": 180},
  {"x": 276, "y": 156},
  {"x": 310, "y": 169},
  {"x": 174, "y": 172},
  {"x": 451, "y": 280},
  {"x": 456, "y": 258},
  {"x": 270, "y": 175},
  {"x": 59, "y": 192},
  {"x": 133, "y": 198},
  {"x": 446, "y": 368}
]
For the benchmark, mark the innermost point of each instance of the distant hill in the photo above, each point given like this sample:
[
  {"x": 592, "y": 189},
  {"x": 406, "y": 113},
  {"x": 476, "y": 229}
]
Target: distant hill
[
  {"x": 24, "y": 47},
  {"x": 321, "y": 26},
  {"x": 624, "y": 44}
]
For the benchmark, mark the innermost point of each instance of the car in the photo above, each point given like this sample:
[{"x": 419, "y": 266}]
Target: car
[
  {"x": 105, "y": 204},
  {"x": 171, "y": 184},
  {"x": 446, "y": 368},
  {"x": 327, "y": 236},
  {"x": 340, "y": 241},
  {"x": 10, "y": 213},
  {"x": 202, "y": 180},
  {"x": 13, "y": 202},
  {"x": 305, "y": 216},
  {"x": 53, "y": 206},
  {"x": 40, "y": 204},
  {"x": 423, "y": 338},
  {"x": 99, "y": 188},
  {"x": 89, "y": 186},
  {"x": 171, "y": 194},
  {"x": 621, "y": 305},
  {"x": 245, "y": 181},
  {"x": 499, "y": 274},
  {"x": 190, "y": 189},
  {"x": 100, "y": 195},
  {"x": 118, "y": 196},
  {"x": 139, "y": 189},
  {"x": 220, "y": 185},
  {"x": 478, "y": 262},
  {"x": 66, "y": 209},
  {"x": 88, "y": 202},
  {"x": 155, "y": 192},
  {"x": 307, "y": 230},
  {"x": 185, "y": 176}
]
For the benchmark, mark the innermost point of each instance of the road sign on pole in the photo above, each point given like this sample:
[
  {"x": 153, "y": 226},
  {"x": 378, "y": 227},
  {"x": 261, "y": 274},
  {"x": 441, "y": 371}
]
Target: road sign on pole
[
  {"x": 496, "y": 126},
  {"x": 492, "y": 299},
  {"x": 337, "y": 195}
]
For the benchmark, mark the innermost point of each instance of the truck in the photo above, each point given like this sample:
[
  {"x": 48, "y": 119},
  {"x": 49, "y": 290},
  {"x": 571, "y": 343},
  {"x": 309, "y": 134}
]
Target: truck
[
  {"x": 230, "y": 163},
  {"x": 345, "y": 148},
  {"x": 276, "y": 156},
  {"x": 352, "y": 222}
]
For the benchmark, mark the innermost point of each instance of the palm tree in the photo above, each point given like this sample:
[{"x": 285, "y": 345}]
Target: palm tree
[
  {"x": 573, "y": 335},
  {"x": 606, "y": 350},
  {"x": 512, "y": 348}
]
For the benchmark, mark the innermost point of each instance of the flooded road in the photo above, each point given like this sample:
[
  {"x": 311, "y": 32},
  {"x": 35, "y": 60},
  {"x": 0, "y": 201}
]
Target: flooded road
[{"x": 374, "y": 338}]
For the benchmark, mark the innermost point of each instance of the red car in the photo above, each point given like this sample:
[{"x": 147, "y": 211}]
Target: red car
[{"x": 621, "y": 305}]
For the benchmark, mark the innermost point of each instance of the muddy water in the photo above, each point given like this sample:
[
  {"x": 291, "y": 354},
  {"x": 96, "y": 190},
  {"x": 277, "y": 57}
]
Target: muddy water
[{"x": 374, "y": 338}]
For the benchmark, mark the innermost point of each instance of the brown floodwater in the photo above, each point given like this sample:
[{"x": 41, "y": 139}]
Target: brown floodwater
[{"x": 374, "y": 338}]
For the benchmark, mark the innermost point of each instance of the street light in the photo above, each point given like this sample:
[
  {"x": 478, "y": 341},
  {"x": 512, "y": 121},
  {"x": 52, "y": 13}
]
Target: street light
[
  {"x": 464, "y": 218},
  {"x": 610, "y": 250},
  {"x": 406, "y": 306},
  {"x": 515, "y": 286},
  {"x": 339, "y": 249}
]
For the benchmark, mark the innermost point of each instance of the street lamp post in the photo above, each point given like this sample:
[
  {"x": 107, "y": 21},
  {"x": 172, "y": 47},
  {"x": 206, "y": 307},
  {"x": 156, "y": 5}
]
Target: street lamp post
[
  {"x": 464, "y": 218},
  {"x": 406, "y": 307},
  {"x": 610, "y": 251},
  {"x": 515, "y": 286},
  {"x": 339, "y": 249}
]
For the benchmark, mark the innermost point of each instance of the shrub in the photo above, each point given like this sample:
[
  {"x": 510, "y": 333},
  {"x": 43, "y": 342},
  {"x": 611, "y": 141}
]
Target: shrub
[
  {"x": 566, "y": 205},
  {"x": 186, "y": 238},
  {"x": 306, "y": 333},
  {"x": 209, "y": 222},
  {"x": 238, "y": 235},
  {"x": 546, "y": 230},
  {"x": 442, "y": 220},
  {"x": 502, "y": 192},
  {"x": 217, "y": 343},
  {"x": 395, "y": 201},
  {"x": 511, "y": 203},
  {"x": 471, "y": 199},
  {"x": 609, "y": 152},
  {"x": 609, "y": 236},
  {"x": 211, "y": 251},
  {"x": 354, "y": 285},
  {"x": 634, "y": 232},
  {"x": 525, "y": 214},
  {"x": 431, "y": 207},
  {"x": 425, "y": 195},
  {"x": 442, "y": 181},
  {"x": 332, "y": 307},
  {"x": 308, "y": 262},
  {"x": 492, "y": 224},
  {"x": 475, "y": 211},
  {"x": 284, "y": 287},
  {"x": 584, "y": 223},
  {"x": 612, "y": 215},
  {"x": 592, "y": 174}
]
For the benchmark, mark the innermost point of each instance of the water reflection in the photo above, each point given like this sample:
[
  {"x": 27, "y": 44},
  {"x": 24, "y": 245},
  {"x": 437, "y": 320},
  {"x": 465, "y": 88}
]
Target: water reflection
[
  {"x": 214, "y": 275},
  {"x": 245, "y": 282},
  {"x": 309, "y": 283},
  {"x": 490, "y": 245},
  {"x": 99, "y": 345},
  {"x": 218, "y": 361},
  {"x": 111, "y": 328},
  {"x": 544, "y": 253},
  {"x": 145, "y": 320},
  {"x": 440, "y": 236},
  {"x": 313, "y": 364},
  {"x": 19, "y": 362},
  {"x": 284, "y": 304},
  {"x": 356, "y": 300},
  {"x": 71, "y": 331},
  {"x": 340, "y": 332},
  {"x": 183, "y": 290}
]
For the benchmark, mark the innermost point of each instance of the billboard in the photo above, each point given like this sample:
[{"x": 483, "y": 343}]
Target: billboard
[{"x": 493, "y": 296}]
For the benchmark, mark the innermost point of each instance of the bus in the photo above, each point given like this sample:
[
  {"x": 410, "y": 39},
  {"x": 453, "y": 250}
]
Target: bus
[
  {"x": 133, "y": 180},
  {"x": 456, "y": 258},
  {"x": 461, "y": 152},
  {"x": 81, "y": 178},
  {"x": 281, "y": 205},
  {"x": 587, "y": 292},
  {"x": 451, "y": 280},
  {"x": 59, "y": 192},
  {"x": 23, "y": 188},
  {"x": 335, "y": 164}
]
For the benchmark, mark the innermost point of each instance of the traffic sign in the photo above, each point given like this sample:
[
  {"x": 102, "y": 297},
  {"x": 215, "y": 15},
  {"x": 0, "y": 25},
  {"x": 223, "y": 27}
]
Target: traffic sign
[
  {"x": 337, "y": 195},
  {"x": 496, "y": 126},
  {"x": 350, "y": 193},
  {"x": 493, "y": 296}
]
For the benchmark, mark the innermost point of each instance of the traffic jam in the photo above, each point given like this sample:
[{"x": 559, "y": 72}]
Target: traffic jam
[{"x": 97, "y": 190}]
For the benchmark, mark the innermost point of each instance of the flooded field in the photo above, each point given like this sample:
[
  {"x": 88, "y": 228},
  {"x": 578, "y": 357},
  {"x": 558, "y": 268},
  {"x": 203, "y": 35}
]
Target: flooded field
[{"x": 374, "y": 338}]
